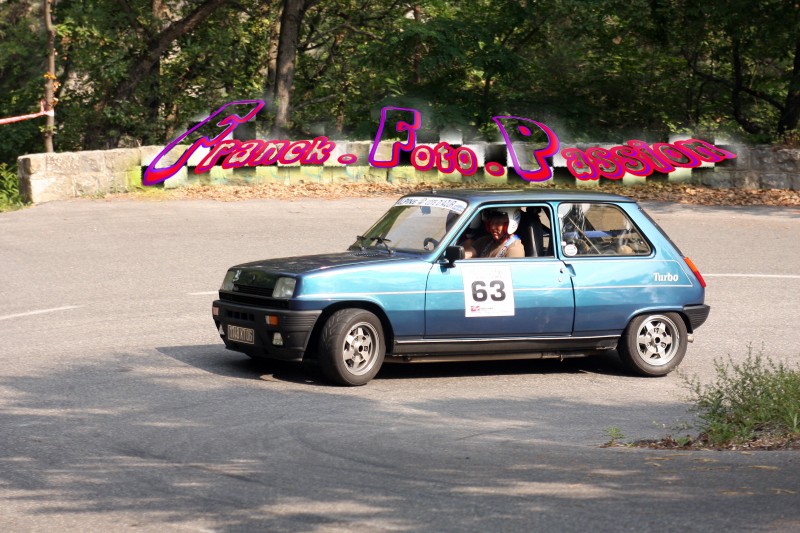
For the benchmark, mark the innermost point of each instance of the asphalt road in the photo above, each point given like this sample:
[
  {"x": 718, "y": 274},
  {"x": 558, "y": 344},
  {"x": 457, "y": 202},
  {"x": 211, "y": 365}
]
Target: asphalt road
[{"x": 120, "y": 409}]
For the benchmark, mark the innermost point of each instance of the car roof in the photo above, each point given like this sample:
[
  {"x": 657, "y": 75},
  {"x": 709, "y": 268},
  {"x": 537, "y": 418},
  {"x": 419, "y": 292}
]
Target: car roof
[{"x": 473, "y": 196}]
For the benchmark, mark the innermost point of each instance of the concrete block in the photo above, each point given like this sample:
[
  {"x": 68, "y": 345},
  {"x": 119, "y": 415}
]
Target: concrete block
[
  {"x": 49, "y": 189},
  {"x": 745, "y": 179},
  {"x": 761, "y": 158},
  {"x": 787, "y": 160},
  {"x": 93, "y": 161},
  {"x": 304, "y": 174},
  {"x": 453, "y": 177},
  {"x": 64, "y": 164},
  {"x": 219, "y": 175},
  {"x": 86, "y": 184},
  {"x": 358, "y": 149},
  {"x": 180, "y": 179},
  {"x": 339, "y": 150},
  {"x": 719, "y": 178},
  {"x": 629, "y": 180},
  {"x": 367, "y": 174},
  {"x": 133, "y": 178},
  {"x": 149, "y": 153},
  {"x": 493, "y": 180},
  {"x": 122, "y": 159},
  {"x": 742, "y": 160},
  {"x": 479, "y": 149},
  {"x": 196, "y": 157},
  {"x": 242, "y": 176},
  {"x": 33, "y": 164},
  {"x": 588, "y": 184},
  {"x": 776, "y": 180},
  {"x": 272, "y": 174},
  {"x": 681, "y": 175},
  {"x": 409, "y": 174},
  {"x": 383, "y": 153},
  {"x": 331, "y": 175}
]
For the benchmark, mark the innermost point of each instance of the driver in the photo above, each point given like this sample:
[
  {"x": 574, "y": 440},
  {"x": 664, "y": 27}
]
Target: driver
[{"x": 501, "y": 241}]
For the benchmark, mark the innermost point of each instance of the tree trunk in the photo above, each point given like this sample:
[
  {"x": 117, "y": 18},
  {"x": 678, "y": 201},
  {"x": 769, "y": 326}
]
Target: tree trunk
[
  {"x": 50, "y": 76},
  {"x": 141, "y": 67},
  {"x": 791, "y": 110},
  {"x": 291, "y": 18}
]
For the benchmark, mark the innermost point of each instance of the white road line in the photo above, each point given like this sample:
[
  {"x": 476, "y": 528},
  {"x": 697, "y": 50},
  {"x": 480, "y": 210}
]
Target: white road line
[
  {"x": 202, "y": 293},
  {"x": 39, "y": 312},
  {"x": 777, "y": 276}
]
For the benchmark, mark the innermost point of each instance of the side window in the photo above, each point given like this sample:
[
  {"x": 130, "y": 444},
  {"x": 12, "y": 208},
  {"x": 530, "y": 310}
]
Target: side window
[
  {"x": 598, "y": 229},
  {"x": 529, "y": 233}
]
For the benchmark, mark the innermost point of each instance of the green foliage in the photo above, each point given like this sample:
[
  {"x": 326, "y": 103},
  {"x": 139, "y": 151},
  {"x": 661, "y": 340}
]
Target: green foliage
[
  {"x": 605, "y": 70},
  {"x": 9, "y": 188},
  {"x": 614, "y": 435},
  {"x": 757, "y": 398},
  {"x": 22, "y": 65}
]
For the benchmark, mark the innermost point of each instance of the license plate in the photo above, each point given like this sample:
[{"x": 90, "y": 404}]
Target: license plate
[{"x": 245, "y": 335}]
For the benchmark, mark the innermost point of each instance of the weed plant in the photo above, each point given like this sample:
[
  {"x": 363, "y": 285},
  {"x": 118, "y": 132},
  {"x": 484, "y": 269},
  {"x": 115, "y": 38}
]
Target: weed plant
[
  {"x": 9, "y": 188},
  {"x": 756, "y": 400}
]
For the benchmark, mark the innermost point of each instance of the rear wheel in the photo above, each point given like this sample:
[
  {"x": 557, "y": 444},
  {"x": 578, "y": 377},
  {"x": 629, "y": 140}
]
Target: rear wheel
[
  {"x": 351, "y": 347},
  {"x": 653, "y": 345}
]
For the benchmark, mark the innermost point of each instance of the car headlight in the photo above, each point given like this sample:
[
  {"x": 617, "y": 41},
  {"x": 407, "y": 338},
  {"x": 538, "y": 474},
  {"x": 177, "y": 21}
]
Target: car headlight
[
  {"x": 227, "y": 283},
  {"x": 284, "y": 288}
]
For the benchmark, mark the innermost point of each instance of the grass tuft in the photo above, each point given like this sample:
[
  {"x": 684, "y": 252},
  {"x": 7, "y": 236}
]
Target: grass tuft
[
  {"x": 9, "y": 188},
  {"x": 755, "y": 402}
]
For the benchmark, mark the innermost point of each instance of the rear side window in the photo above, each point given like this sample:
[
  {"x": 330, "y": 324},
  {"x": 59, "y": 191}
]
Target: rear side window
[{"x": 599, "y": 229}]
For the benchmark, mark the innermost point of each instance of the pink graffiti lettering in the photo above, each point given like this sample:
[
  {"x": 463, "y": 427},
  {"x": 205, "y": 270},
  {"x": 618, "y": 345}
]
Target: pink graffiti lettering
[
  {"x": 153, "y": 174},
  {"x": 543, "y": 171},
  {"x": 579, "y": 165},
  {"x": 401, "y": 126},
  {"x": 319, "y": 151},
  {"x": 242, "y": 154},
  {"x": 272, "y": 153},
  {"x": 444, "y": 157},
  {"x": 640, "y": 159},
  {"x": 466, "y": 160},
  {"x": 605, "y": 163},
  {"x": 634, "y": 157}
]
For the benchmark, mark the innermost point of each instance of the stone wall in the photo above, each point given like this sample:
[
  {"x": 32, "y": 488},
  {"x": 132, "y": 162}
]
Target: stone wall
[{"x": 59, "y": 176}]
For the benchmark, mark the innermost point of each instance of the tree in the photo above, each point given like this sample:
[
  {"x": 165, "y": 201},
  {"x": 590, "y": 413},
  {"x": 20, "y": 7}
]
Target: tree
[
  {"x": 50, "y": 75},
  {"x": 750, "y": 53}
]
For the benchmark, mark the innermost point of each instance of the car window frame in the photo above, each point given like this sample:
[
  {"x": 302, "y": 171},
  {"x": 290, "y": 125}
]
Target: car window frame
[
  {"x": 642, "y": 234},
  {"x": 501, "y": 205}
]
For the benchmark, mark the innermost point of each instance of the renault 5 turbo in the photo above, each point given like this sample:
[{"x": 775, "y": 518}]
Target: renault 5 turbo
[{"x": 474, "y": 275}]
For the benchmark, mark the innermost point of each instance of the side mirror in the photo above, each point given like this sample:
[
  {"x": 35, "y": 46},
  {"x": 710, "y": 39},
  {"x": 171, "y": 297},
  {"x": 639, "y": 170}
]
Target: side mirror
[{"x": 453, "y": 254}]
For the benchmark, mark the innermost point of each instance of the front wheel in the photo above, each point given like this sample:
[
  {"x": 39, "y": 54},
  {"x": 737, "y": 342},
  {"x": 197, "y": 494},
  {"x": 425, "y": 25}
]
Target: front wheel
[
  {"x": 351, "y": 347},
  {"x": 653, "y": 345}
]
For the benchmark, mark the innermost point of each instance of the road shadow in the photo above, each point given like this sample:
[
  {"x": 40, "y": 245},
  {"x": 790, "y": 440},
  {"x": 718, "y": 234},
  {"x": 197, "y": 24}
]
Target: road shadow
[
  {"x": 217, "y": 360},
  {"x": 136, "y": 440}
]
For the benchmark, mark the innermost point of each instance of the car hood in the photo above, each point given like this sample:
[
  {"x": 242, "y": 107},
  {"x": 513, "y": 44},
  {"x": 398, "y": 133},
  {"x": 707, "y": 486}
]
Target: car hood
[{"x": 311, "y": 263}]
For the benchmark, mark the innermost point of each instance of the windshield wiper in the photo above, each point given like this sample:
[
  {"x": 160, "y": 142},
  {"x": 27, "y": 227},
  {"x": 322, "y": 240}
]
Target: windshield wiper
[
  {"x": 359, "y": 240},
  {"x": 380, "y": 240}
]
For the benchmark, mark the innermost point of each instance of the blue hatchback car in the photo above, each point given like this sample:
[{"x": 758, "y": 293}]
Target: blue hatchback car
[{"x": 474, "y": 275}]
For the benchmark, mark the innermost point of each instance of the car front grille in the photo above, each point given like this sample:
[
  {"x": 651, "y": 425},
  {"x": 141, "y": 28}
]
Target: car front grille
[
  {"x": 249, "y": 289},
  {"x": 257, "y": 301}
]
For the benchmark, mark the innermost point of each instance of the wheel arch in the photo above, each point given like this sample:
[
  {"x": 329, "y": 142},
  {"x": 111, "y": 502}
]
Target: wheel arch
[
  {"x": 313, "y": 340},
  {"x": 661, "y": 310}
]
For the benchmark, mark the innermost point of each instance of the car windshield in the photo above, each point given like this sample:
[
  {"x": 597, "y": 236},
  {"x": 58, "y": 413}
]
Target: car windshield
[{"x": 413, "y": 224}]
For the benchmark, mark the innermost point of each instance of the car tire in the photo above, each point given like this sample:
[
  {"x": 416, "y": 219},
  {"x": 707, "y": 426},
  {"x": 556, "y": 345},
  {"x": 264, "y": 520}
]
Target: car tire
[
  {"x": 653, "y": 344},
  {"x": 351, "y": 347}
]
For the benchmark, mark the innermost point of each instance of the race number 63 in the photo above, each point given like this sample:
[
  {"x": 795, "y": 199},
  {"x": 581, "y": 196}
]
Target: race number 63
[{"x": 488, "y": 290}]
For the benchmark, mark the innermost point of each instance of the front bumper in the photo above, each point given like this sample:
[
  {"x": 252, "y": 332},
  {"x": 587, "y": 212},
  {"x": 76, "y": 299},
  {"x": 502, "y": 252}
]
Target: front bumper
[
  {"x": 286, "y": 341},
  {"x": 697, "y": 314}
]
